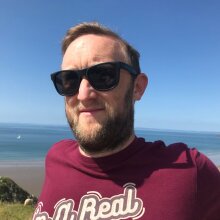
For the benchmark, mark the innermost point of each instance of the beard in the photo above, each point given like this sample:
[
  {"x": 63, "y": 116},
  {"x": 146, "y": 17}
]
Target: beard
[{"x": 111, "y": 133}]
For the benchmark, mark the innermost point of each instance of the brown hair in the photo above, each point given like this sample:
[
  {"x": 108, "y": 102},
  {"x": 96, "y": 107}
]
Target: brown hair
[{"x": 98, "y": 29}]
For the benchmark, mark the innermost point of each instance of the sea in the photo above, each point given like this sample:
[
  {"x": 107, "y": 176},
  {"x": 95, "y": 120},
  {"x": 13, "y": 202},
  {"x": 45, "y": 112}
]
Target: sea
[{"x": 26, "y": 143}]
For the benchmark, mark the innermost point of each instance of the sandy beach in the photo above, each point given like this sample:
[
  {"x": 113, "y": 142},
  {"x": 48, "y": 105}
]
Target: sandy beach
[{"x": 29, "y": 176}]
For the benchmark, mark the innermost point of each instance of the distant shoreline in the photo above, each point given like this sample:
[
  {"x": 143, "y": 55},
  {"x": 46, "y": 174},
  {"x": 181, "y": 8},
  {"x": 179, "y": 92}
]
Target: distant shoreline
[
  {"x": 66, "y": 126},
  {"x": 22, "y": 163}
]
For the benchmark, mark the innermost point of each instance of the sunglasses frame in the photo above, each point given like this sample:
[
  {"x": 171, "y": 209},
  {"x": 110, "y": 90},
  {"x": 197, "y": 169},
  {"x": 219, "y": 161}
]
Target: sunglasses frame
[{"x": 84, "y": 73}]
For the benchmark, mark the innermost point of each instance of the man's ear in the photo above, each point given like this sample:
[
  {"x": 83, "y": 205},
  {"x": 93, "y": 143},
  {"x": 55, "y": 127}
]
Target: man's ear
[{"x": 140, "y": 85}]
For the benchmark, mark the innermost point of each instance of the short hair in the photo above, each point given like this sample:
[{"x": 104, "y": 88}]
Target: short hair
[{"x": 96, "y": 28}]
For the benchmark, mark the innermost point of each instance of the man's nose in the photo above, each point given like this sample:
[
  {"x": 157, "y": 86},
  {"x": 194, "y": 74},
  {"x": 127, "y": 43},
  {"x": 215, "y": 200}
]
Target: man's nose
[{"x": 86, "y": 91}]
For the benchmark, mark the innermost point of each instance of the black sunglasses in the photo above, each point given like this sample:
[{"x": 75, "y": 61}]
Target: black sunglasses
[{"x": 102, "y": 77}]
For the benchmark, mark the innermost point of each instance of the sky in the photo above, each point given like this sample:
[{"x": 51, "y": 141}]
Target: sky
[{"x": 179, "y": 43}]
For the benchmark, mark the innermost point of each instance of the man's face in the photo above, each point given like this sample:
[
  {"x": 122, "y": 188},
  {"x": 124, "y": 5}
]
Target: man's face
[{"x": 100, "y": 121}]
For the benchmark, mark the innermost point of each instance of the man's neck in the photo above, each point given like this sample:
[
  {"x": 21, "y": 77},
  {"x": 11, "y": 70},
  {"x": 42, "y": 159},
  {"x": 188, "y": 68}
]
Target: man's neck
[{"x": 110, "y": 152}]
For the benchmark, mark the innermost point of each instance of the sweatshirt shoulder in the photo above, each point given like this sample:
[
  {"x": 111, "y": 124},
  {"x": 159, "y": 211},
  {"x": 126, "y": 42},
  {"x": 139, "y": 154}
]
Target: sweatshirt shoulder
[
  {"x": 190, "y": 155},
  {"x": 176, "y": 154},
  {"x": 63, "y": 144},
  {"x": 62, "y": 149}
]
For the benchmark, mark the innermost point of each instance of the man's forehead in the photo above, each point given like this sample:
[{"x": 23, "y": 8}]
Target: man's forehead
[
  {"x": 95, "y": 42},
  {"x": 94, "y": 48}
]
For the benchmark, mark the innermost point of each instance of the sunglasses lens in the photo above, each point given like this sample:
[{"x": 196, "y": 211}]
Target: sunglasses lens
[
  {"x": 67, "y": 83},
  {"x": 104, "y": 76}
]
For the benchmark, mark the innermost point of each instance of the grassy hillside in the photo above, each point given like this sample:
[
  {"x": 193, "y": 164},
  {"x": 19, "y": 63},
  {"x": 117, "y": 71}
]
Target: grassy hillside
[{"x": 9, "y": 211}]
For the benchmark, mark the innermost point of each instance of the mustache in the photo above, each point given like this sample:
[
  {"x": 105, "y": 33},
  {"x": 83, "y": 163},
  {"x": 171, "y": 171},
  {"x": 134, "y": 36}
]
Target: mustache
[{"x": 90, "y": 105}]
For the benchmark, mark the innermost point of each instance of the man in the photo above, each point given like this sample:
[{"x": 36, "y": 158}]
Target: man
[{"x": 109, "y": 173}]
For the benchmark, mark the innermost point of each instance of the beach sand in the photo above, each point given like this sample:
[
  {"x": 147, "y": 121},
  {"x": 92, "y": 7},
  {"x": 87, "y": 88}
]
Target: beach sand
[{"x": 28, "y": 176}]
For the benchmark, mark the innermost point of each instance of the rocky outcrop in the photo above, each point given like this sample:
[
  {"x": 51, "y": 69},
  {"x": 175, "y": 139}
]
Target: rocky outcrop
[{"x": 11, "y": 192}]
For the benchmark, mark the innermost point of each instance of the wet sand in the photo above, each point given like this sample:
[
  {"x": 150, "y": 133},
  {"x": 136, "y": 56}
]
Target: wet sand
[{"x": 29, "y": 176}]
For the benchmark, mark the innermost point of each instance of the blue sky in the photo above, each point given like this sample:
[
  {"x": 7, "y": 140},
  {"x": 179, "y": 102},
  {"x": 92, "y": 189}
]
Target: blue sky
[{"x": 179, "y": 42}]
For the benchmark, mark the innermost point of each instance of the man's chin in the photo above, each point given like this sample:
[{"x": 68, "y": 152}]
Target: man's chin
[{"x": 88, "y": 130}]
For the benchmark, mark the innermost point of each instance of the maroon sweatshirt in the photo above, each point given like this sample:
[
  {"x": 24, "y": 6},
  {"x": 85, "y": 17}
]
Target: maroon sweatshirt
[{"x": 144, "y": 181}]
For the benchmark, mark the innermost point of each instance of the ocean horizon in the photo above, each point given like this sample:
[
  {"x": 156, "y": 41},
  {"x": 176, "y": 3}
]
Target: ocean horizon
[{"x": 29, "y": 143}]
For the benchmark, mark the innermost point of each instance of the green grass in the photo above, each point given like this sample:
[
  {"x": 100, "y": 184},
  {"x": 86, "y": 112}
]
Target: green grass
[{"x": 9, "y": 211}]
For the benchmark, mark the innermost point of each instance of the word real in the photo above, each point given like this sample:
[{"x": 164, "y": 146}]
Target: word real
[{"x": 94, "y": 206}]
